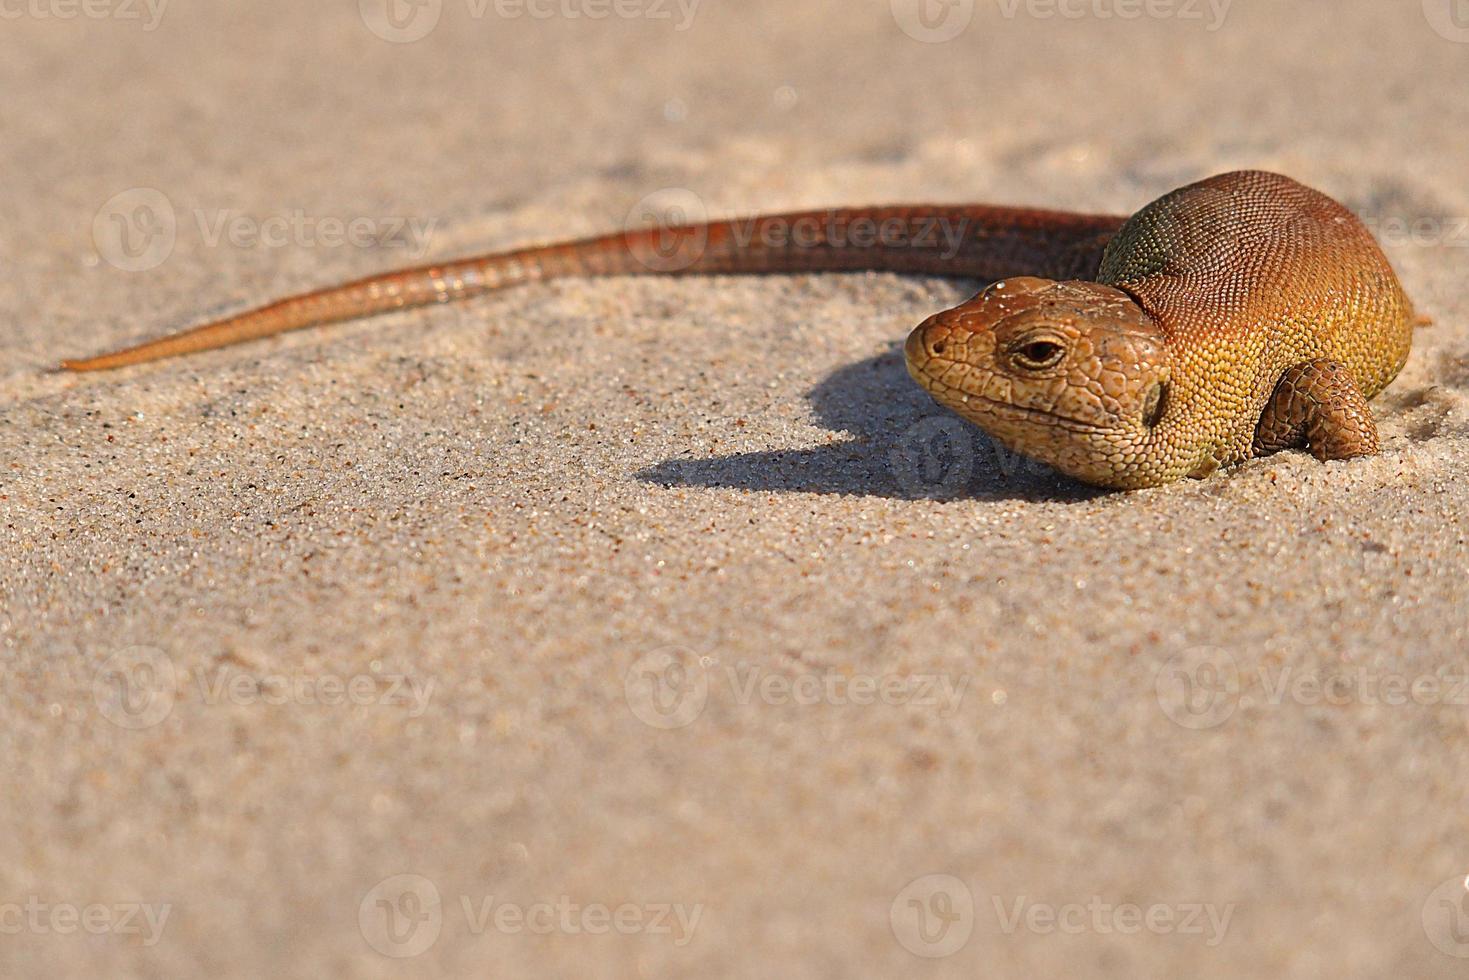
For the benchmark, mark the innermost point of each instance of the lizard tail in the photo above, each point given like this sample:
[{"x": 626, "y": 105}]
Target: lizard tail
[{"x": 966, "y": 242}]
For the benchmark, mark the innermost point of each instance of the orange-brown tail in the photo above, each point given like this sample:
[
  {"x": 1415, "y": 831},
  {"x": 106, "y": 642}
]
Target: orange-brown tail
[{"x": 968, "y": 242}]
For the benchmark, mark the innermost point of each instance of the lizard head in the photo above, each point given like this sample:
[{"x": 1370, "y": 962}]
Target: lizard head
[{"x": 1074, "y": 374}]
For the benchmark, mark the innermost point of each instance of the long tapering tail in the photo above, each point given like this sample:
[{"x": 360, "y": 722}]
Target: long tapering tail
[{"x": 975, "y": 242}]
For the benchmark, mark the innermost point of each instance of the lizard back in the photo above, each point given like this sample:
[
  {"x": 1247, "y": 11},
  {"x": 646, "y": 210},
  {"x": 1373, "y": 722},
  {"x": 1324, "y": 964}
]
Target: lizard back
[{"x": 1249, "y": 273}]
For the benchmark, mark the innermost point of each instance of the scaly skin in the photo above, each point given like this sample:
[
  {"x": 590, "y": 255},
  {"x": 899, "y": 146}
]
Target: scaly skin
[{"x": 1237, "y": 316}]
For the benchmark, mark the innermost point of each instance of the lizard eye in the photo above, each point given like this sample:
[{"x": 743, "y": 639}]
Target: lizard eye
[{"x": 1038, "y": 354}]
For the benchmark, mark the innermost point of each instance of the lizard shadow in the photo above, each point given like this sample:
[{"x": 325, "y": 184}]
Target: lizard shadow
[{"x": 904, "y": 447}]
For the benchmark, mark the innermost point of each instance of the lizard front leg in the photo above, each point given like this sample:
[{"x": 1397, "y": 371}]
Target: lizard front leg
[{"x": 1317, "y": 405}]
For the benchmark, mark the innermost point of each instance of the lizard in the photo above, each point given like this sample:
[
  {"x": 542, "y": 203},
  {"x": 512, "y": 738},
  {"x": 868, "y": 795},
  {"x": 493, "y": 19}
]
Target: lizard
[{"x": 1232, "y": 318}]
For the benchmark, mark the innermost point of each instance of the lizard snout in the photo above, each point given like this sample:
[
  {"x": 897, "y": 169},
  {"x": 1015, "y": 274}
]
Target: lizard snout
[
  {"x": 967, "y": 332},
  {"x": 937, "y": 345},
  {"x": 929, "y": 340}
]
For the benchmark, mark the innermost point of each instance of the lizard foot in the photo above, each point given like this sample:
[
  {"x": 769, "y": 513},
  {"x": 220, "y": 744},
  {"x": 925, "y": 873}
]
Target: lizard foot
[{"x": 1317, "y": 405}]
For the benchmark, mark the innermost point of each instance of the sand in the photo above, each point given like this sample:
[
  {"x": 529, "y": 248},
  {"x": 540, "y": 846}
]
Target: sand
[{"x": 665, "y": 628}]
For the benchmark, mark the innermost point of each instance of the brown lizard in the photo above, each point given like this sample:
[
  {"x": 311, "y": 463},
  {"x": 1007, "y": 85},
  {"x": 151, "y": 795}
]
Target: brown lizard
[{"x": 1234, "y": 317}]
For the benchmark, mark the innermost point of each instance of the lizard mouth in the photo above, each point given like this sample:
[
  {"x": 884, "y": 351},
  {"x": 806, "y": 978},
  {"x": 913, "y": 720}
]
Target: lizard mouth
[
  {"x": 979, "y": 409},
  {"x": 1021, "y": 413}
]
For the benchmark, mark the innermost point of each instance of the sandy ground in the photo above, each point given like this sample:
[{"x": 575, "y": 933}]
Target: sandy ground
[{"x": 664, "y": 628}]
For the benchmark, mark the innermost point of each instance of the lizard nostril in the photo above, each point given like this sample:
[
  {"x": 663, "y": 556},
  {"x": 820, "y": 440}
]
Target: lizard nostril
[{"x": 939, "y": 347}]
